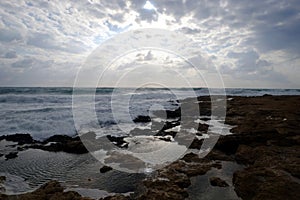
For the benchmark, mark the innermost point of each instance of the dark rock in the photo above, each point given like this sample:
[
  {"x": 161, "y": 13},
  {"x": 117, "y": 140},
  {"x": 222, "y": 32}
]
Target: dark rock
[
  {"x": 216, "y": 181},
  {"x": 172, "y": 182},
  {"x": 11, "y": 155},
  {"x": 205, "y": 118},
  {"x": 265, "y": 183},
  {"x": 266, "y": 139},
  {"x": 203, "y": 127},
  {"x": 2, "y": 179},
  {"x": 118, "y": 141},
  {"x": 166, "y": 138},
  {"x": 162, "y": 126},
  {"x": 230, "y": 143},
  {"x": 116, "y": 197},
  {"x": 219, "y": 155},
  {"x": 49, "y": 191},
  {"x": 76, "y": 147},
  {"x": 196, "y": 144},
  {"x": 19, "y": 138},
  {"x": 62, "y": 143},
  {"x": 171, "y": 114},
  {"x": 267, "y": 95},
  {"x": 142, "y": 119},
  {"x": 105, "y": 169},
  {"x": 191, "y": 157},
  {"x": 60, "y": 139}
]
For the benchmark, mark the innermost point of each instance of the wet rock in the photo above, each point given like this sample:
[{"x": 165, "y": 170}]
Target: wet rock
[
  {"x": 76, "y": 147},
  {"x": 116, "y": 197},
  {"x": 173, "y": 184},
  {"x": 118, "y": 141},
  {"x": 62, "y": 143},
  {"x": 105, "y": 169},
  {"x": 216, "y": 181},
  {"x": 142, "y": 119},
  {"x": 265, "y": 183},
  {"x": 196, "y": 144},
  {"x": 245, "y": 155},
  {"x": 171, "y": 114},
  {"x": 266, "y": 140},
  {"x": 11, "y": 155},
  {"x": 203, "y": 127},
  {"x": 166, "y": 138},
  {"x": 219, "y": 155},
  {"x": 205, "y": 118},
  {"x": 19, "y": 138},
  {"x": 49, "y": 191},
  {"x": 191, "y": 157},
  {"x": 230, "y": 143},
  {"x": 60, "y": 139}
]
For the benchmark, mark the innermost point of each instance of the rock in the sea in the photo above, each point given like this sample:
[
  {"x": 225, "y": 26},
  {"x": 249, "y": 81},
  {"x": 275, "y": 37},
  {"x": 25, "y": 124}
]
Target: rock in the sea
[
  {"x": 11, "y": 155},
  {"x": 62, "y": 143},
  {"x": 216, "y": 181},
  {"x": 59, "y": 139},
  {"x": 118, "y": 141},
  {"x": 203, "y": 127},
  {"x": 171, "y": 114},
  {"x": 105, "y": 169},
  {"x": 19, "y": 138},
  {"x": 142, "y": 119}
]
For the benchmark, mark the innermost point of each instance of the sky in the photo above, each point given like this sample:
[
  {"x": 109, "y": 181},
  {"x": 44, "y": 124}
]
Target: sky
[{"x": 251, "y": 44}]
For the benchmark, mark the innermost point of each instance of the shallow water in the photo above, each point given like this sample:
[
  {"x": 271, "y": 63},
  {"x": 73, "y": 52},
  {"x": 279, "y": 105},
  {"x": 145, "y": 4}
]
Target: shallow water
[
  {"x": 201, "y": 189},
  {"x": 33, "y": 168}
]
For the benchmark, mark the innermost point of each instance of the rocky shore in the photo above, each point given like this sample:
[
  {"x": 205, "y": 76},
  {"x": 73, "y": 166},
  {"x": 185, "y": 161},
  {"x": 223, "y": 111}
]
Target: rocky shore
[{"x": 265, "y": 142}]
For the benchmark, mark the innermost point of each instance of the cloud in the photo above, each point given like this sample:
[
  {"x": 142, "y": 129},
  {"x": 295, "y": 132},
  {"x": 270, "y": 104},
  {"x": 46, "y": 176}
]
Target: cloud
[
  {"x": 25, "y": 63},
  {"x": 149, "y": 56},
  {"x": 10, "y": 55},
  {"x": 7, "y": 35},
  {"x": 241, "y": 38}
]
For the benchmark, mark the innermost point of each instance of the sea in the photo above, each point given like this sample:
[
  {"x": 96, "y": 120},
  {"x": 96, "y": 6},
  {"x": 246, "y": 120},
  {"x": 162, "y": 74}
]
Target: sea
[{"x": 46, "y": 111}]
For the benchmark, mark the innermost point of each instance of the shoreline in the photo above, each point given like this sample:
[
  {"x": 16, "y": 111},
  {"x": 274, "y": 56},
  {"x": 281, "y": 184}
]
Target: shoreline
[{"x": 265, "y": 140}]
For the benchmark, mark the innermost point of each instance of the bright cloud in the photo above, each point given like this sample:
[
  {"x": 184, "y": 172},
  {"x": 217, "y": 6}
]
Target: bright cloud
[{"x": 44, "y": 43}]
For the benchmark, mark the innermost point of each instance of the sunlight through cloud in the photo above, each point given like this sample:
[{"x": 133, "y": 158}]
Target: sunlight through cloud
[{"x": 149, "y": 6}]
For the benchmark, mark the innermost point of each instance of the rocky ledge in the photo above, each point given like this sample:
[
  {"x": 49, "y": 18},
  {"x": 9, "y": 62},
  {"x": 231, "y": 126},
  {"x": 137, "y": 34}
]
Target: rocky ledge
[
  {"x": 54, "y": 143},
  {"x": 265, "y": 140}
]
